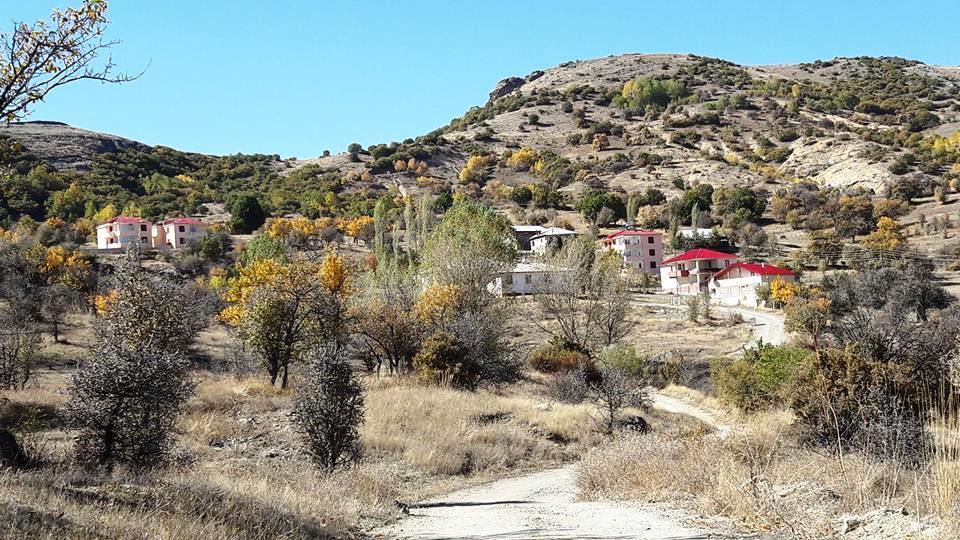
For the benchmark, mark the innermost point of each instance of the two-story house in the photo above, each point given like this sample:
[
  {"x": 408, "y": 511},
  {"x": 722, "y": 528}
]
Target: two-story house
[
  {"x": 178, "y": 233},
  {"x": 639, "y": 249},
  {"x": 122, "y": 231},
  {"x": 549, "y": 238},
  {"x": 691, "y": 271}
]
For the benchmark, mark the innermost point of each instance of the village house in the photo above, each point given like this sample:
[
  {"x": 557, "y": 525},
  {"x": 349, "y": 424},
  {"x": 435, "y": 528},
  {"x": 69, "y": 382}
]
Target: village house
[
  {"x": 737, "y": 283},
  {"x": 177, "y": 233},
  {"x": 523, "y": 234},
  {"x": 549, "y": 238},
  {"x": 122, "y": 231},
  {"x": 524, "y": 278},
  {"x": 639, "y": 249},
  {"x": 691, "y": 271}
]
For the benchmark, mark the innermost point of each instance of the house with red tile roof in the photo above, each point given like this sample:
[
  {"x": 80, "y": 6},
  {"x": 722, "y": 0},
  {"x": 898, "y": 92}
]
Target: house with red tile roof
[
  {"x": 640, "y": 250},
  {"x": 738, "y": 282},
  {"x": 122, "y": 231},
  {"x": 690, "y": 272}
]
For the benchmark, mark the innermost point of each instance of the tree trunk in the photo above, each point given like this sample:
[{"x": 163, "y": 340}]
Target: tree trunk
[{"x": 283, "y": 383}]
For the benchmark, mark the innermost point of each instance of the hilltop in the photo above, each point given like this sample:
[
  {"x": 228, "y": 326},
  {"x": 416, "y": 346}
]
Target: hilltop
[{"x": 620, "y": 124}]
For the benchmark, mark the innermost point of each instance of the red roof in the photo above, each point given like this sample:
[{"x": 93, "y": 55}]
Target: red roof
[
  {"x": 762, "y": 269},
  {"x": 126, "y": 219},
  {"x": 182, "y": 221},
  {"x": 631, "y": 232},
  {"x": 699, "y": 254}
]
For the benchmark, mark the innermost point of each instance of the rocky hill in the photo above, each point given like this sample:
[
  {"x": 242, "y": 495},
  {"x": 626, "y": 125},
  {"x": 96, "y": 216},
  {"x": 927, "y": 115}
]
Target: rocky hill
[
  {"x": 65, "y": 147},
  {"x": 620, "y": 123}
]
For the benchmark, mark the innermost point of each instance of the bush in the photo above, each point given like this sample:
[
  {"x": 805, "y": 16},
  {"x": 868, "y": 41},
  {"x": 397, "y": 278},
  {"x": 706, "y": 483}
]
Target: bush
[
  {"x": 442, "y": 361},
  {"x": 760, "y": 379},
  {"x": 624, "y": 358},
  {"x": 328, "y": 411},
  {"x": 551, "y": 358},
  {"x": 569, "y": 387}
]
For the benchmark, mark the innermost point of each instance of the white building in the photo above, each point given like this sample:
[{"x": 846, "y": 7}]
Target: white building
[
  {"x": 524, "y": 233},
  {"x": 639, "y": 249},
  {"x": 177, "y": 233},
  {"x": 551, "y": 237},
  {"x": 738, "y": 282},
  {"x": 691, "y": 271},
  {"x": 524, "y": 278},
  {"x": 122, "y": 231}
]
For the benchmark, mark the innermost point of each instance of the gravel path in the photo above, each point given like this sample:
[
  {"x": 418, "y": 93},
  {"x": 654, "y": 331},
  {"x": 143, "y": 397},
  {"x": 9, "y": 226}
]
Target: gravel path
[
  {"x": 545, "y": 505},
  {"x": 540, "y": 505}
]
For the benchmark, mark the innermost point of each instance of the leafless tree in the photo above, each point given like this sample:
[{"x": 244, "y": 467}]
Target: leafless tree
[{"x": 615, "y": 390}]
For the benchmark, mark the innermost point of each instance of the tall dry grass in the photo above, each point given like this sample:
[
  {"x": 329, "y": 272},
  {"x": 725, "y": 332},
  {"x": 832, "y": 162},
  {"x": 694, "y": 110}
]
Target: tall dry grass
[{"x": 761, "y": 478}]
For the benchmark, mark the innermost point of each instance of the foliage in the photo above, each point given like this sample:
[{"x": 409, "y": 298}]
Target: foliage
[
  {"x": 784, "y": 291},
  {"x": 38, "y": 59},
  {"x": 523, "y": 159},
  {"x": 555, "y": 358},
  {"x": 126, "y": 398},
  {"x": 442, "y": 361},
  {"x": 887, "y": 237},
  {"x": 638, "y": 94},
  {"x": 328, "y": 410},
  {"x": 246, "y": 214},
  {"x": 760, "y": 379}
]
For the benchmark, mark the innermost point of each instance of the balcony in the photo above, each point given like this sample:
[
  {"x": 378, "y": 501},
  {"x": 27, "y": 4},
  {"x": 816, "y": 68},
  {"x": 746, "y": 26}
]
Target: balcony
[{"x": 679, "y": 273}]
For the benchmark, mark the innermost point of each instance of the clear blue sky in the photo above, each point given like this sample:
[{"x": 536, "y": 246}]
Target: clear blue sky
[{"x": 295, "y": 77}]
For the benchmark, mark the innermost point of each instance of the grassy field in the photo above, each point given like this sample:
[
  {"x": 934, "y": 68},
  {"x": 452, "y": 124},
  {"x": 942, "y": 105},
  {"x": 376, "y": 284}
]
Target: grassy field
[{"x": 239, "y": 471}]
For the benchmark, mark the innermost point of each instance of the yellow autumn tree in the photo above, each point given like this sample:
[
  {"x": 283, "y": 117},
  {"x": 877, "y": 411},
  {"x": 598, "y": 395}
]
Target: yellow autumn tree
[
  {"x": 600, "y": 142},
  {"x": 437, "y": 304},
  {"x": 523, "y": 159},
  {"x": 888, "y": 236},
  {"x": 474, "y": 170},
  {"x": 106, "y": 213},
  {"x": 784, "y": 291}
]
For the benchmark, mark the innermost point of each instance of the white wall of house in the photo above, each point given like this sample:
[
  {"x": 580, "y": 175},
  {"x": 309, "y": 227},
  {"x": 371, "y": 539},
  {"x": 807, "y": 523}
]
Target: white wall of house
[
  {"x": 178, "y": 235},
  {"x": 691, "y": 277},
  {"x": 120, "y": 235},
  {"x": 740, "y": 287}
]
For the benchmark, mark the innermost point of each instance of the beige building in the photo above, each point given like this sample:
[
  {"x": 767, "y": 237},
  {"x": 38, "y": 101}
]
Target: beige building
[
  {"x": 122, "y": 231},
  {"x": 178, "y": 233},
  {"x": 641, "y": 250}
]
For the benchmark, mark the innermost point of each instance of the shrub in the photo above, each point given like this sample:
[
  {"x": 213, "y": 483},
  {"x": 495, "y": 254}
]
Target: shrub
[
  {"x": 328, "y": 410},
  {"x": 442, "y": 361},
  {"x": 760, "y": 379},
  {"x": 569, "y": 387},
  {"x": 624, "y": 358},
  {"x": 551, "y": 358}
]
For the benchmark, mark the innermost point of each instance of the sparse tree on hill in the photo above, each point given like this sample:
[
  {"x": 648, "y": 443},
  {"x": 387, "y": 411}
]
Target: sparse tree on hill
[{"x": 615, "y": 390}]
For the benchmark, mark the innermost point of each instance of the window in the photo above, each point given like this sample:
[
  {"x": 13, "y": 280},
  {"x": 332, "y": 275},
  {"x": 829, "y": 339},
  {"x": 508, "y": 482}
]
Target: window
[
  {"x": 653, "y": 264},
  {"x": 183, "y": 241},
  {"x": 193, "y": 229},
  {"x": 110, "y": 228},
  {"x": 182, "y": 228},
  {"x": 508, "y": 279},
  {"x": 143, "y": 227},
  {"x": 649, "y": 239},
  {"x": 528, "y": 279},
  {"x": 143, "y": 239},
  {"x": 653, "y": 253}
]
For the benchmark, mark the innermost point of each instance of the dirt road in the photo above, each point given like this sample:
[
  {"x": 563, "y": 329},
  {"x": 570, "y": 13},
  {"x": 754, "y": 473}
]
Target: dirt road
[
  {"x": 540, "y": 505},
  {"x": 545, "y": 505}
]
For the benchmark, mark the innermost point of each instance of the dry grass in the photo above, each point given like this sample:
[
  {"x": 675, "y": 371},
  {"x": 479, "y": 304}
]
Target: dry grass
[{"x": 760, "y": 478}]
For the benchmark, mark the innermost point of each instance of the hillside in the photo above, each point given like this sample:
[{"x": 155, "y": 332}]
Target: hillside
[
  {"x": 620, "y": 124},
  {"x": 63, "y": 146}
]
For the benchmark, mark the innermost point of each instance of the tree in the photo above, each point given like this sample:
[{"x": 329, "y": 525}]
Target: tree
[
  {"x": 36, "y": 59},
  {"x": 887, "y": 237},
  {"x": 600, "y": 142},
  {"x": 582, "y": 299},
  {"x": 57, "y": 301},
  {"x": 854, "y": 216},
  {"x": 389, "y": 329},
  {"x": 283, "y": 310},
  {"x": 328, "y": 409},
  {"x": 614, "y": 391},
  {"x": 809, "y": 316},
  {"x": 125, "y": 400},
  {"x": 18, "y": 346},
  {"x": 468, "y": 248},
  {"x": 246, "y": 214}
]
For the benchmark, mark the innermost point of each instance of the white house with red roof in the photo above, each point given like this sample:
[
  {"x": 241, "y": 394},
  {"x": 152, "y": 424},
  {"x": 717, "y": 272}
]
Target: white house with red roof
[
  {"x": 639, "y": 249},
  {"x": 738, "y": 282},
  {"x": 691, "y": 271},
  {"x": 177, "y": 233},
  {"x": 121, "y": 231}
]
